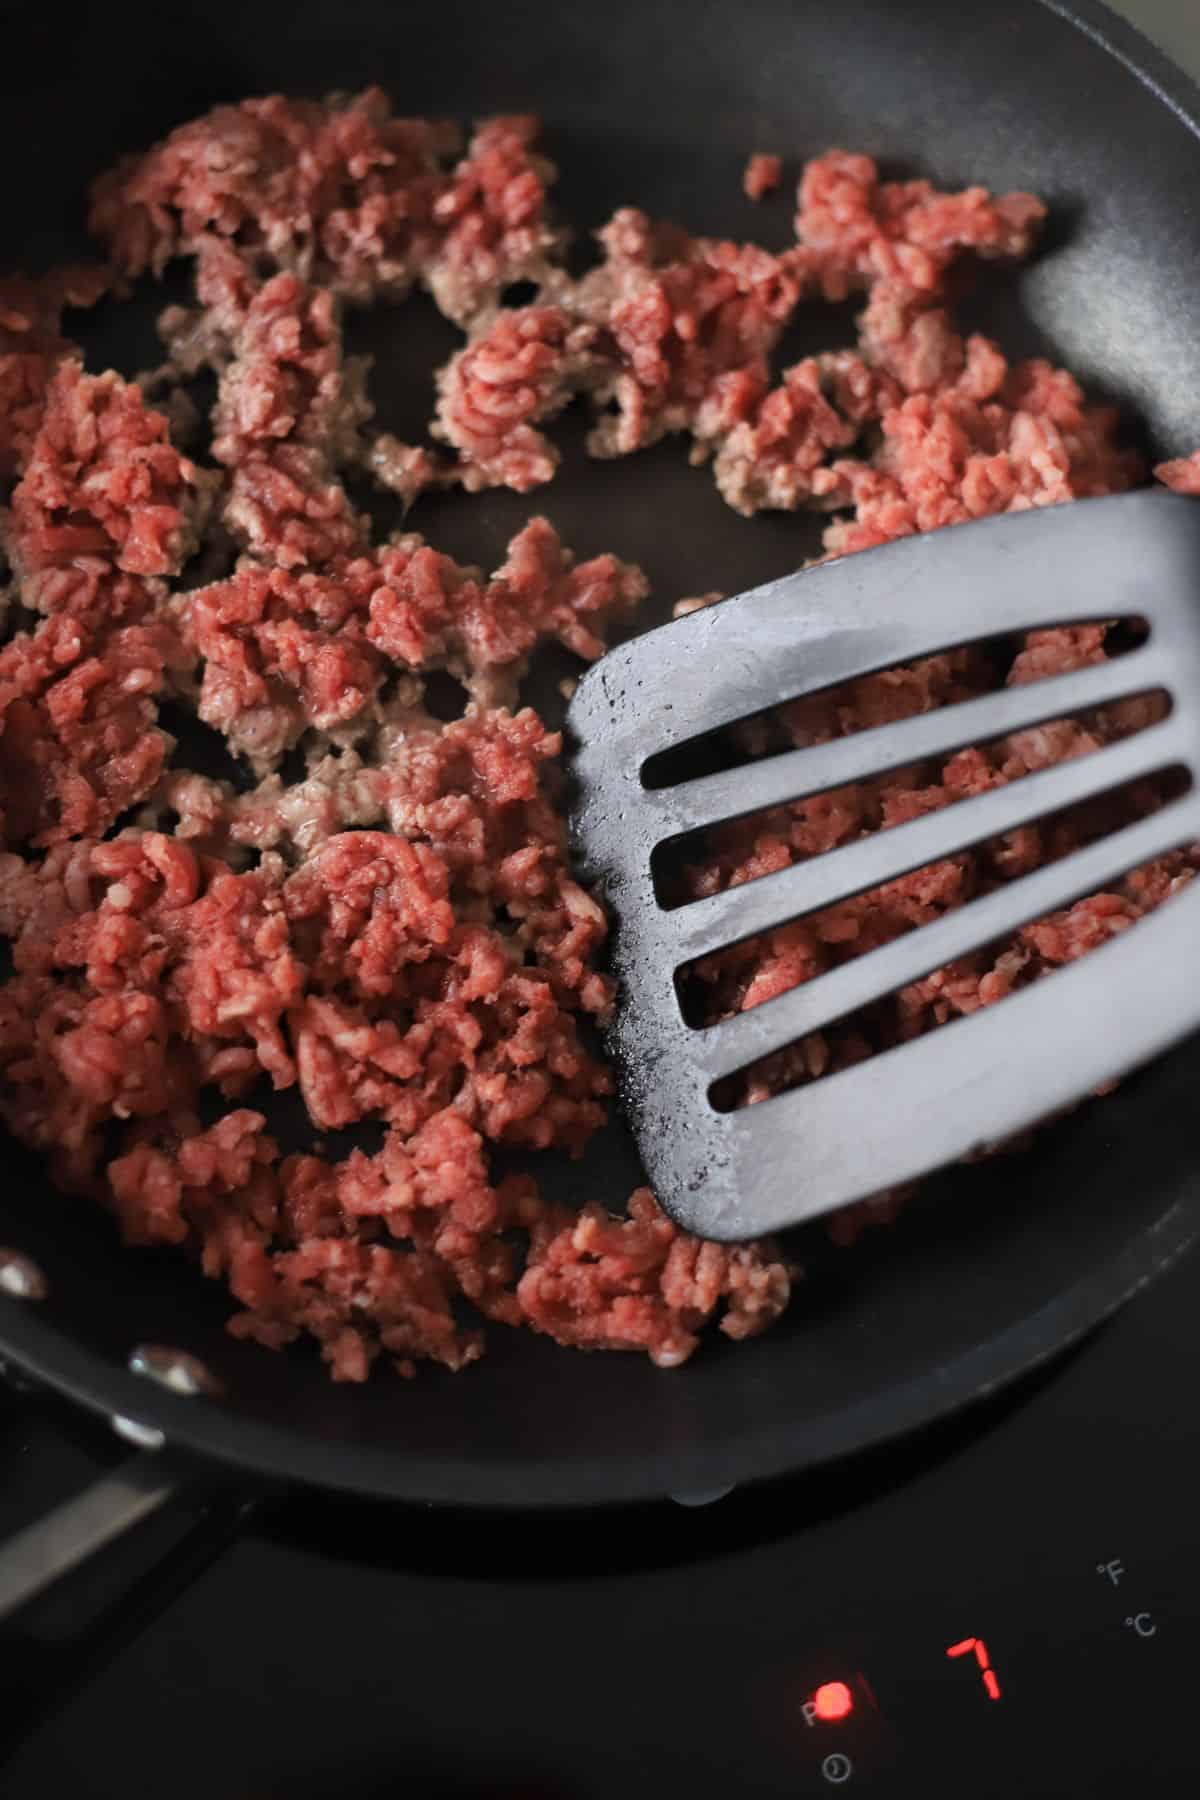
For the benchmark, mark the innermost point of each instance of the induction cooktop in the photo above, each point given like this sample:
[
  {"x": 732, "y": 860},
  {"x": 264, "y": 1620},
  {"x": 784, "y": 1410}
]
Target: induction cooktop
[{"x": 1008, "y": 1606}]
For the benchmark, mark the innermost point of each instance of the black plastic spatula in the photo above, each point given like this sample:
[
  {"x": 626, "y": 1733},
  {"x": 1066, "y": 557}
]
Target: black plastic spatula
[{"x": 973, "y": 1083}]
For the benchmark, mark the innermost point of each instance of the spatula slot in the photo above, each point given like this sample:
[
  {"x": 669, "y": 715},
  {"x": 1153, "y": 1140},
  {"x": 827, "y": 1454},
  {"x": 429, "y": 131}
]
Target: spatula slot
[
  {"x": 870, "y": 975},
  {"x": 958, "y": 673},
  {"x": 774, "y": 830}
]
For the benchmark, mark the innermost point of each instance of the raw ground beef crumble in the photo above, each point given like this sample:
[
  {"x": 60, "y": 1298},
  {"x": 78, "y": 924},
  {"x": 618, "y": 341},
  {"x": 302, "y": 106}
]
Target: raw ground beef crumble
[
  {"x": 396, "y": 935},
  {"x": 762, "y": 174}
]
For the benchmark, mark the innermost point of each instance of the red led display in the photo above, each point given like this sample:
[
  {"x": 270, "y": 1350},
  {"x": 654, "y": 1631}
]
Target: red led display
[
  {"x": 988, "y": 1674},
  {"x": 832, "y": 1700}
]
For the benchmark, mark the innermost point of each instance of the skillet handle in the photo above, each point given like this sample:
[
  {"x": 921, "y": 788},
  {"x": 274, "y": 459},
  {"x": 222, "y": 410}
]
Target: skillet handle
[{"x": 37, "y": 1556}]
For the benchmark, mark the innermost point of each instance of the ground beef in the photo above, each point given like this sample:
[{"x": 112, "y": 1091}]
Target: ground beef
[
  {"x": 762, "y": 175},
  {"x": 476, "y": 789},
  {"x": 691, "y": 322},
  {"x": 341, "y": 188},
  {"x": 145, "y": 974},
  {"x": 373, "y": 917},
  {"x": 859, "y": 229},
  {"x": 394, "y": 935},
  {"x": 1183, "y": 475},
  {"x": 203, "y": 337},
  {"x": 79, "y": 742},
  {"x": 285, "y": 377},
  {"x": 405, "y": 469},
  {"x": 599, "y": 1283},
  {"x": 291, "y": 414},
  {"x": 343, "y": 193},
  {"x": 102, "y": 479},
  {"x": 31, "y": 346},
  {"x": 291, "y": 408},
  {"x": 673, "y": 333},
  {"x": 524, "y": 368},
  {"x": 492, "y": 217},
  {"x": 995, "y": 439},
  {"x": 286, "y": 508},
  {"x": 780, "y": 454},
  {"x": 286, "y": 650}
]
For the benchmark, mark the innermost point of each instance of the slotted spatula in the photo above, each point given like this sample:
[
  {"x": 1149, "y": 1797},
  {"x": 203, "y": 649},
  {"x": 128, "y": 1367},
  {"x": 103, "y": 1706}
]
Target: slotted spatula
[{"x": 976, "y": 1081}]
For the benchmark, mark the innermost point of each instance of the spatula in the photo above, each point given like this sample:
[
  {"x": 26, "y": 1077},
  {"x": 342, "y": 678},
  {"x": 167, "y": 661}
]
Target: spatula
[{"x": 976, "y": 1081}]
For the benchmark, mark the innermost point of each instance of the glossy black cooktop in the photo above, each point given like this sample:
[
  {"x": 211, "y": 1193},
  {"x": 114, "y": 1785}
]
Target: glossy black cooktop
[{"x": 1008, "y": 1607}]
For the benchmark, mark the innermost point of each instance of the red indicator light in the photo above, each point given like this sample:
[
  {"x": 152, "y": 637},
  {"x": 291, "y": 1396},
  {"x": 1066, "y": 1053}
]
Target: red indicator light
[
  {"x": 832, "y": 1701},
  {"x": 964, "y": 1648}
]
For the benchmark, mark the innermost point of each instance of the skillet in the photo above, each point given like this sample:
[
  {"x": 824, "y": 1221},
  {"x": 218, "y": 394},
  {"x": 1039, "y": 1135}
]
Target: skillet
[{"x": 657, "y": 103}]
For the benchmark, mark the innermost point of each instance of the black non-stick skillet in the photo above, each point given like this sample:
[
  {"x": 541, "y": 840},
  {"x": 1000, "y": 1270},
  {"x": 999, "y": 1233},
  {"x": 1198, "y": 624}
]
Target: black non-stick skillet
[{"x": 658, "y": 102}]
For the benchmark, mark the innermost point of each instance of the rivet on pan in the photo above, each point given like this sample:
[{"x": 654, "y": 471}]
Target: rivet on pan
[
  {"x": 702, "y": 1497},
  {"x": 146, "y": 1437},
  {"x": 178, "y": 1370},
  {"x": 21, "y": 1277}
]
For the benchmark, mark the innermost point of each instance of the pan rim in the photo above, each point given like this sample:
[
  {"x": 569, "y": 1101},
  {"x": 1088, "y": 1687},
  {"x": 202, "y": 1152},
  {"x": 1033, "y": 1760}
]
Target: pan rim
[
  {"x": 263, "y": 1452},
  {"x": 259, "y": 1451}
]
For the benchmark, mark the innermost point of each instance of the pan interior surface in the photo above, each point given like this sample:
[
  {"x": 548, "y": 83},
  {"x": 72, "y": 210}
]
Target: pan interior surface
[{"x": 658, "y": 105}]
